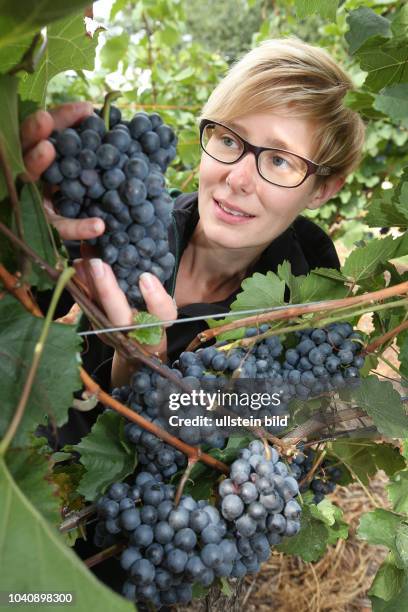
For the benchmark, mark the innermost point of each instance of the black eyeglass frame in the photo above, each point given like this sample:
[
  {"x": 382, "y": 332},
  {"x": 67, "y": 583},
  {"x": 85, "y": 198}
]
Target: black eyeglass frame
[{"x": 312, "y": 167}]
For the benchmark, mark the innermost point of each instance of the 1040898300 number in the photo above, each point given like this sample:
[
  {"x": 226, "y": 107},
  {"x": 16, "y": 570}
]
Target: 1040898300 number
[{"x": 36, "y": 598}]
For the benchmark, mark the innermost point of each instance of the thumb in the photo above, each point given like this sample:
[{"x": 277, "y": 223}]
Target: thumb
[{"x": 158, "y": 301}]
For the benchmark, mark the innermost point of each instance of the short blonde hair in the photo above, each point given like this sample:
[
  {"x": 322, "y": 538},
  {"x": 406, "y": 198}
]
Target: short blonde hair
[{"x": 306, "y": 82}]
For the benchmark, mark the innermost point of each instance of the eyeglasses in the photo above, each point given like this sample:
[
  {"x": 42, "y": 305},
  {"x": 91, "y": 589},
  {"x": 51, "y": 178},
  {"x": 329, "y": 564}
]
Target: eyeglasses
[{"x": 277, "y": 166}]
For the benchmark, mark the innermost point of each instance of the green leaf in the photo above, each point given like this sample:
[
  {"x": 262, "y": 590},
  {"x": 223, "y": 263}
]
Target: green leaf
[
  {"x": 401, "y": 543},
  {"x": 31, "y": 473},
  {"x": 388, "y": 580},
  {"x": 392, "y": 101},
  {"x": 383, "y": 404},
  {"x": 104, "y": 455},
  {"x": 57, "y": 377},
  {"x": 363, "y": 24},
  {"x": 332, "y": 516},
  {"x": 69, "y": 48},
  {"x": 383, "y": 212},
  {"x": 365, "y": 458},
  {"x": 316, "y": 287},
  {"x": 386, "y": 62},
  {"x": 146, "y": 335},
  {"x": 9, "y": 129},
  {"x": 325, "y": 8},
  {"x": 379, "y": 527},
  {"x": 24, "y": 18},
  {"x": 398, "y": 492},
  {"x": 403, "y": 357},
  {"x": 362, "y": 102},
  {"x": 46, "y": 560},
  {"x": 260, "y": 291},
  {"x": 396, "y": 604},
  {"x": 363, "y": 262},
  {"x": 311, "y": 542},
  {"x": 225, "y": 587},
  {"x": 37, "y": 233},
  {"x": 330, "y": 273},
  {"x": 114, "y": 50}
]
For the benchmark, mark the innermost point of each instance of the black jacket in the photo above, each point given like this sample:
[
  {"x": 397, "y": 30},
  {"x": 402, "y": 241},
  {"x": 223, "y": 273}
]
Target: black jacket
[{"x": 303, "y": 244}]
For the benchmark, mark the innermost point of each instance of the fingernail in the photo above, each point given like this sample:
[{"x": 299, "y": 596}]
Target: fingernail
[
  {"x": 97, "y": 268},
  {"x": 97, "y": 226},
  {"x": 147, "y": 281}
]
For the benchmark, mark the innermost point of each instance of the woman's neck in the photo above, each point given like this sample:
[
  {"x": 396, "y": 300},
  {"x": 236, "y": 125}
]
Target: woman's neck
[{"x": 215, "y": 265}]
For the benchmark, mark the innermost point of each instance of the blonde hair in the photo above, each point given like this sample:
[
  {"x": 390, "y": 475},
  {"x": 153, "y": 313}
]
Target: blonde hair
[{"x": 304, "y": 81}]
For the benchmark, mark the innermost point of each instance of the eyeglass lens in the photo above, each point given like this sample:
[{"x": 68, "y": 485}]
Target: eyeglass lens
[{"x": 276, "y": 166}]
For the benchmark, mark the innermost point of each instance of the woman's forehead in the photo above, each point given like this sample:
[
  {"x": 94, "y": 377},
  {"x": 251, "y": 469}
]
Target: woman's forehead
[{"x": 279, "y": 129}]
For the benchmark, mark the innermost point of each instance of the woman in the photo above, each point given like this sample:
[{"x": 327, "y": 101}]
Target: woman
[{"x": 277, "y": 109}]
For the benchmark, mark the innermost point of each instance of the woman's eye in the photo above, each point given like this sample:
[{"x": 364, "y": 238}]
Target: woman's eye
[
  {"x": 280, "y": 162},
  {"x": 228, "y": 141}
]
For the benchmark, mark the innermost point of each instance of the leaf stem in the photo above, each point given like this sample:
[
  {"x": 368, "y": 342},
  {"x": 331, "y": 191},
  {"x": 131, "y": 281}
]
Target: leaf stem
[
  {"x": 38, "y": 351},
  {"x": 109, "y": 98},
  {"x": 183, "y": 481},
  {"x": 20, "y": 292}
]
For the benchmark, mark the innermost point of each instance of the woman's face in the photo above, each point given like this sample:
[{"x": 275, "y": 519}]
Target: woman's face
[{"x": 239, "y": 187}]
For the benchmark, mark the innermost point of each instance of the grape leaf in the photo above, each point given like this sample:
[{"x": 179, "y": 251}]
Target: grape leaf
[
  {"x": 403, "y": 356},
  {"x": 330, "y": 273},
  {"x": 311, "y": 542},
  {"x": 57, "y": 377},
  {"x": 379, "y": 527},
  {"x": 47, "y": 563},
  {"x": 37, "y": 233},
  {"x": 146, "y": 335},
  {"x": 315, "y": 287},
  {"x": 31, "y": 473},
  {"x": 388, "y": 580},
  {"x": 392, "y": 102},
  {"x": 260, "y": 291},
  {"x": 9, "y": 129},
  {"x": 105, "y": 455},
  {"x": 365, "y": 458},
  {"x": 383, "y": 404},
  {"x": 69, "y": 48},
  {"x": 398, "y": 492},
  {"x": 363, "y": 24},
  {"x": 364, "y": 261},
  {"x": 23, "y": 18},
  {"x": 397, "y": 603},
  {"x": 332, "y": 516},
  {"x": 325, "y": 8}
]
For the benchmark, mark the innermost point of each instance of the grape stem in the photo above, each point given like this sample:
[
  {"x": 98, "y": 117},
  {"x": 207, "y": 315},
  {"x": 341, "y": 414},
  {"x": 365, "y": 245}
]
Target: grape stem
[
  {"x": 313, "y": 469},
  {"x": 191, "y": 463},
  {"x": 292, "y": 312},
  {"x": 38, "y": 351},
  {"x": 191, "y": 451},
  {"x": 109, "y": 98},
  {"x": 105, "y": 554},
  {"x": 75, "y": 518},
  {"x": 372, "y": 347}
]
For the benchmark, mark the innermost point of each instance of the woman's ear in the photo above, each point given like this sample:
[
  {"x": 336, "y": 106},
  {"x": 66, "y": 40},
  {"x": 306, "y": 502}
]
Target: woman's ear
[{"x": 325, "y": 191}]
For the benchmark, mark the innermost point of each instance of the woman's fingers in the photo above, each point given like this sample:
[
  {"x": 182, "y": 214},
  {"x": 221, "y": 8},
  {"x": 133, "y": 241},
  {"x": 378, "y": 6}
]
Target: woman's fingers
[
  {"x": 110, "y": 296},
  {"x": 35, "y": 129},
  {"x": 158, "y": 301},
  {"x": 74, "y": 229}
]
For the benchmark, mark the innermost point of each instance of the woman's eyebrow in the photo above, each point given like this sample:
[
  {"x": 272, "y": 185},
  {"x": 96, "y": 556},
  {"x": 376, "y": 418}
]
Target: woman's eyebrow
[{"x": 270, "y": 142}]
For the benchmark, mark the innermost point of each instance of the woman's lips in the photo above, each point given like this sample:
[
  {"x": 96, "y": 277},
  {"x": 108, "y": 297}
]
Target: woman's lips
[{"x": 223, "y": 215}]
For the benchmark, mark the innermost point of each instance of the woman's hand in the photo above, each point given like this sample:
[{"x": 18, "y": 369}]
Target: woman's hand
[
  {"x": 99, "y": 277},
  {"x": 39, "y": 153}
]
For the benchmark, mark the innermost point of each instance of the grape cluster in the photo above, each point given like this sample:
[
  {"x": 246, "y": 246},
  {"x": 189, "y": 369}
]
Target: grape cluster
[
  {"x": 324, "y": 480},
  {"x": 118, "y": 176},
  {"x": 169, "y": 547},
  {"x": 324, "y": 360},
  {"x": 258, "y": 504}
]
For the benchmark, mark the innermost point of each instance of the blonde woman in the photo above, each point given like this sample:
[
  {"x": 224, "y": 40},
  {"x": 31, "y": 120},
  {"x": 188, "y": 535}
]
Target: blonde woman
[{"x": 277, "y": 139}]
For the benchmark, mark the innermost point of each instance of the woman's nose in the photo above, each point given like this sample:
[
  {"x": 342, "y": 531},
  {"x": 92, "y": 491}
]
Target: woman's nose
[{"x": 243, "y": 174}]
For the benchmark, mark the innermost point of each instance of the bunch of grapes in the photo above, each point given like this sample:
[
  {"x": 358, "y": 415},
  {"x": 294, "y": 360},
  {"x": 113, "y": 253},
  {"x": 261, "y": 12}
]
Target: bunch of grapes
[
  {"x": 325, "y": 478},
  {"x": 170, "y": 548},
  {"x": 118, "y": 176}
]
